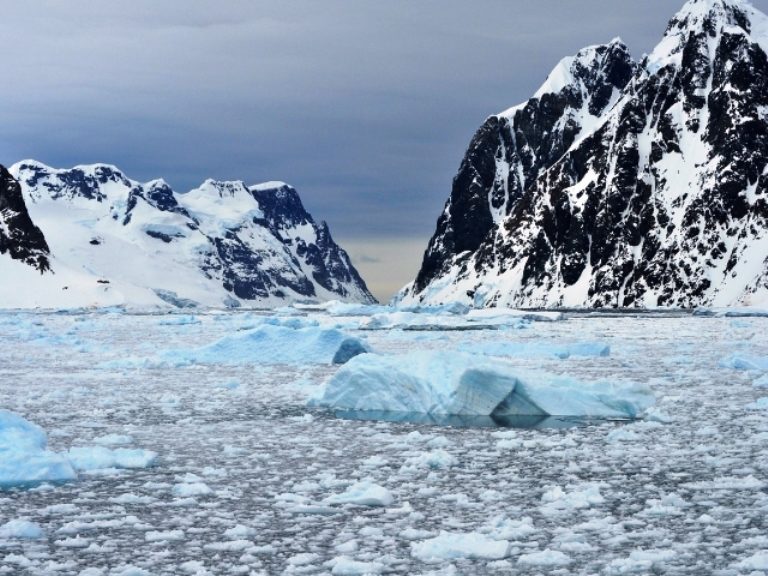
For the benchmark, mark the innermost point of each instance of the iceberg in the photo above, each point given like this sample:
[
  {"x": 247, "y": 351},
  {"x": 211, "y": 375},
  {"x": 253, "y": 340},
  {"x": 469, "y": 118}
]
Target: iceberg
[
  {"x": 24, "y": 457},
  {"x": 457, "y": 383},
  {"x": 270, "y": 344}
]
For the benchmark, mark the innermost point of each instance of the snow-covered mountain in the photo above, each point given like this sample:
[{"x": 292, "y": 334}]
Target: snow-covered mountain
[
  {"x": 91, "y": 236},
  {"x": 620, "y": 183}
]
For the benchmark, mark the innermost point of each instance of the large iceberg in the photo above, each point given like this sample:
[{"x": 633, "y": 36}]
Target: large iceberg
[
  {"x": 274, "y": 345},
  {"x": 451, "y": 382},
  {"x": 24, "y": 457}
]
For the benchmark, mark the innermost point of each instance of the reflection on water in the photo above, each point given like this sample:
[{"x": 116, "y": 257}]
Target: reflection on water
[{"x": 458, "y": 421}]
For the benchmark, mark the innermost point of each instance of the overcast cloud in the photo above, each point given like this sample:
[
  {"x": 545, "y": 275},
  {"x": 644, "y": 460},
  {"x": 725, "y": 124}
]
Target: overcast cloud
[{"x": 365, "y": 106}]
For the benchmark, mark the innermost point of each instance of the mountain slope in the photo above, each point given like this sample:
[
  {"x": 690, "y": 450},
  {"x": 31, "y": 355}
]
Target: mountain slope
[
  {"x": 660, "y": 200},
  {"x": 117, "y": 241}
]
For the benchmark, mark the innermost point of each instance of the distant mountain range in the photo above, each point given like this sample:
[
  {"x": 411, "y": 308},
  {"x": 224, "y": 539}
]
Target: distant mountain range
[
  {"x": 620, "y": 183},
  {"x": 89, "y": 236}
]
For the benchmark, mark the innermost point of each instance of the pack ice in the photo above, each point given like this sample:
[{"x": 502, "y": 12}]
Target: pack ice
[{"x": 454, "y": 383}]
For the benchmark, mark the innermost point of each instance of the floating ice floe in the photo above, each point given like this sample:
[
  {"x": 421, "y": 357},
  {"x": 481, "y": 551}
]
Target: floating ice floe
[
  {"x": 758, "y": 561},
  {"x": 364, "y": 493},
  {"x": 450, "y": 382},
  {"x": 562, "y": 351},
  {"x": 759, "y": 404},
  {"x": 21, "y": 529},
  {"x": 642, "y": 562},
  {"x": 458, "y": 546},
  {"x": 742, "y": 312},
  {"x": 544, "y": 558},
  {"x": 336, "y": 308},
  {"x": 426, "y": 320},
  {"x": 450, "y": 308},
  {"x": 26, "y": 461},
  {"x": 345, "y": 566},
  {"x": 89, "y": 458},
  {"x": 509, "y": 315},
  {"x": 24, "y": 457},
  {"x": 745, "y": 362},
  {"x": 558, "y": 501}
]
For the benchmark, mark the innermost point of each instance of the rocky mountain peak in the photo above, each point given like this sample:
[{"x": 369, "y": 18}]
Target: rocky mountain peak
[{"x": 656, "y": 196}]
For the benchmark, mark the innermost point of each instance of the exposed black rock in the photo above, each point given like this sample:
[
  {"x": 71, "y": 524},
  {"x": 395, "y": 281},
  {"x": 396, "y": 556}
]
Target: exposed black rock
[{"x": 19, "y": 237}]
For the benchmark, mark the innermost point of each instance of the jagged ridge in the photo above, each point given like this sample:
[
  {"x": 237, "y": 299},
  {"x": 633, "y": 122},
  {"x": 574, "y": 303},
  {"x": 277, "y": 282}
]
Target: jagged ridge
[{"x": 223, "y": 243}]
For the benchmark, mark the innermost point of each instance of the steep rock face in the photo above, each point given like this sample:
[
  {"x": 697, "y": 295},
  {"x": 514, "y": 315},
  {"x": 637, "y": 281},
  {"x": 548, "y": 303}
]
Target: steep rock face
[
  {"x": 220, "y": 244},
  {"x": 19, "y": 237},
  {"x": 661, "y": 202},
  {"x": 330, "y": 264},
  {"x": 512, "y": 149}
]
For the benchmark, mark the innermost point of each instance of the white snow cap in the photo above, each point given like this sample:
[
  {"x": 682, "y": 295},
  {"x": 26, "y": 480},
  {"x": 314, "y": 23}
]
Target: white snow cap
[
  {"x": 704, "y": 7},
  {"x": 724, "y": 14},
  {"x": 273, "y": 185},
  {"x": 565, "y": 73}
]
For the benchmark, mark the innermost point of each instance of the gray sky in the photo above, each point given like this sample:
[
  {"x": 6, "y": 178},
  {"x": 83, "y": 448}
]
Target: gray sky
[{"x": 365, "y": 106}]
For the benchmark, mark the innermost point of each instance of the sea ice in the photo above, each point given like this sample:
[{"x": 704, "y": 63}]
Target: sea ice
[
  {"x": 24, "y": 457},
  {"x": 446, "y": 382}
]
